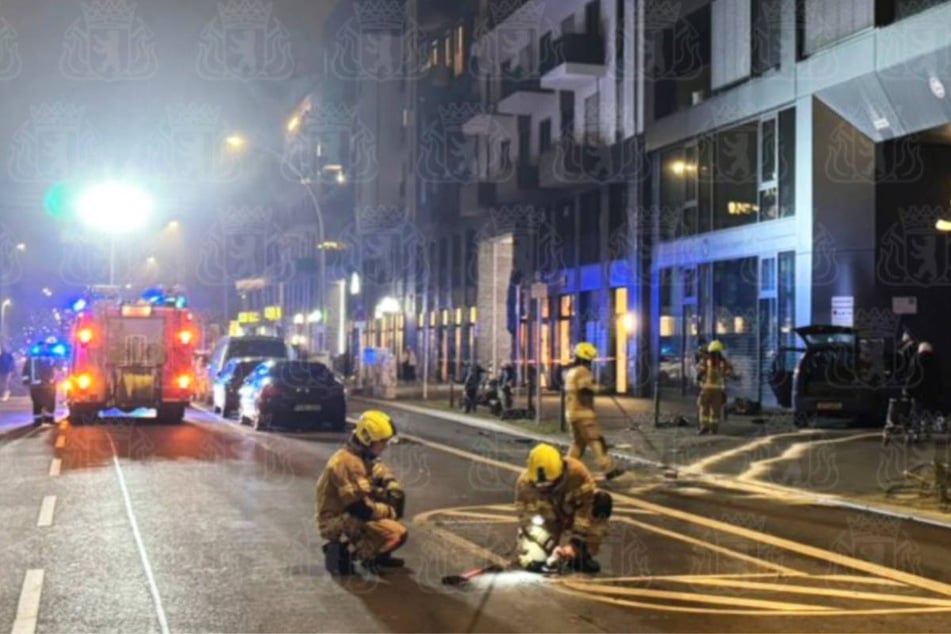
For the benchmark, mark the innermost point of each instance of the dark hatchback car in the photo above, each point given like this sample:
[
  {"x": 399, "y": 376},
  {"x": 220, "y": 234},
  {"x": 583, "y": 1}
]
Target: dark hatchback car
[
  {"x": 224, "y": 392},
  {"x": 838, "y": 375},
  {"x": 282, "y": 393}
]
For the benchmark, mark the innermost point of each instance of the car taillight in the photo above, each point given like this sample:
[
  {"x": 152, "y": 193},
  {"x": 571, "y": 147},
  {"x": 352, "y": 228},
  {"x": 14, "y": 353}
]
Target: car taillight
[
  {"x": 83, "y": 381},
  {"x": 84, "y": 335},
  {"x": 183, "y": 381},
  {"x": 185, "y": 337}
]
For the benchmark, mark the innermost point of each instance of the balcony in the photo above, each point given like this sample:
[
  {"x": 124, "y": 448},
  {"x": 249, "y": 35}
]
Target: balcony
[
  {"x": 476, "y": 198},
  {"x": 520, "y": 186},
  {"x": 489, "y": 123},
  {"x": 570, "y": 165},
  {"x": 573, "y": 62},
  {"x": 524, "y": 95}
]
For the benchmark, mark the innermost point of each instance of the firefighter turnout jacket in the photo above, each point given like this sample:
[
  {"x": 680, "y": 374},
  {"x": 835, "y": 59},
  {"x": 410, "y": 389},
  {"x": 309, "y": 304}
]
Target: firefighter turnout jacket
[
  {"x": 359, "y": 499},
  {"x": 567, "y": 508},
  {"x": 579, "y": 394}
]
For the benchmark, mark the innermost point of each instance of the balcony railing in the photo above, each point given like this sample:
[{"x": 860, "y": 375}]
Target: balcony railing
[{"x": 573, "y": 48}]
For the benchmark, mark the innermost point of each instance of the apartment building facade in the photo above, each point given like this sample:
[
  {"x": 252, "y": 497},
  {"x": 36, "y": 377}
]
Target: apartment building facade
[
  {"x": 797, "y": 168},
  {"x": 555, "y": 152}
]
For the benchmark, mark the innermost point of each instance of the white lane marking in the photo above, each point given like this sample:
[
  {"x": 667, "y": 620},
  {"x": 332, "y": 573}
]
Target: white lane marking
[
  {"x": 794, "y": 452},
  {"x": 703, "y": 465},
  {"x": 28, "y": 609},
  {"x": 55, "y": 466},
  {"x": 153, "y": 588},
  {"x": 46, "y": 511},
  {"x": 60, "y": 441}
]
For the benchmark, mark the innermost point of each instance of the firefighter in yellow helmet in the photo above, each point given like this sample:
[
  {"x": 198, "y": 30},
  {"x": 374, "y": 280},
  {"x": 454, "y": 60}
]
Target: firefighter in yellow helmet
[
  {"x": 579, "y": 411},
  {"x": 557, "y": 498},
  {"x": 712, "y": 375},
  {"x": 359, "y": 501}
]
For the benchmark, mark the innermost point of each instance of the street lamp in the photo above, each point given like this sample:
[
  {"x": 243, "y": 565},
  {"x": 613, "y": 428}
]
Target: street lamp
[
  {"x": 21, "y": 247},
  {"x": 237, "y": 142},
  {"x": 3, "y": 318},
  {"x": 114, "y": 208}
]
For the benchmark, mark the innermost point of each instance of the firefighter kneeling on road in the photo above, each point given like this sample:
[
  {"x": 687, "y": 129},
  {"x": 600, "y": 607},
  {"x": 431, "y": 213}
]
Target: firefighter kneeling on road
[
  {"x": 39, "y": 374},
  {"x": 359, "y": 501},
  {"x": 556, "y": 497}
]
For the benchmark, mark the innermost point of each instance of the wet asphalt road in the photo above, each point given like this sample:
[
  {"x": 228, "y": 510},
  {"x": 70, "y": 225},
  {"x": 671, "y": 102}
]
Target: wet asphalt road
[{"x": 208, "y": 527}]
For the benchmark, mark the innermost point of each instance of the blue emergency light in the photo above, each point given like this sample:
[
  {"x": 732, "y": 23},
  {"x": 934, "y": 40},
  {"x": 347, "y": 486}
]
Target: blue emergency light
[{"x": 79, "y": 305}]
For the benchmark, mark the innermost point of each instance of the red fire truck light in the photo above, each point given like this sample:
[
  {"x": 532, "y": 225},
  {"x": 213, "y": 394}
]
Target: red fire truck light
[
  {"x": 84, "y": 335},
  {"x": 83, "y": 381},
  {"x": 185, "y": 337},
  {"x": 184, "y": 381}
]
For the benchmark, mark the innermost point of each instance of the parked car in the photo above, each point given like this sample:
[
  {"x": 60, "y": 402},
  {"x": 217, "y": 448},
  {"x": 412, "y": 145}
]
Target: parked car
[
  {"x": 299, "y": 393},
  {"x": 229, "y": 347},
  {"x": 224, "y": 396},
  {"x": 838, "y": 375}
]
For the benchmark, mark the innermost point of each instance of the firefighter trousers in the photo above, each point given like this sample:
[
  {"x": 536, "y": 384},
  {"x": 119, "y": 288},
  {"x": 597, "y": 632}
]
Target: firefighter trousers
[
  {"x": 44, "y": 403},
  {"x": 368, "y": 539},
  {"x": 586, "y": 432},
  {"x": 711, "y": 402}
]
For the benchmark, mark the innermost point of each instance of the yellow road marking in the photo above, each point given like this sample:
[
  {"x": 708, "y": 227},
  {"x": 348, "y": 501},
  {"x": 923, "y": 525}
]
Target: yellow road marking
[
  {"x": 828, "y": 592},
  {"x": 728, "y": 612},
  {"x": 779, "y": 542},
  {"x": 690, "y": 597},
  {"x": 802, "y": 549},
  {"x": 707, "y": 545},
  {"x": 795, "y": 451}
]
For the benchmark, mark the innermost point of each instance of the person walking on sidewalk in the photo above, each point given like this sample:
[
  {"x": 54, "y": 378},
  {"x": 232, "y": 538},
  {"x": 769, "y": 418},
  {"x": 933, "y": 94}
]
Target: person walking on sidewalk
[
  {"x": 7, "y": 367},
  {"x": 712, "y": 375},
  {"x": 580, "y": 414},
  {"x": 471, "y": 386}
]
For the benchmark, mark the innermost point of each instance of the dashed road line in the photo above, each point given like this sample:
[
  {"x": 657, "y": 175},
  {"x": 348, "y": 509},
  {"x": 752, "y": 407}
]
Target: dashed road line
[
  {"x": 47, "y": 508},
  {"x": 28, "y": 609},
  {"x": 55, "y": 466}
]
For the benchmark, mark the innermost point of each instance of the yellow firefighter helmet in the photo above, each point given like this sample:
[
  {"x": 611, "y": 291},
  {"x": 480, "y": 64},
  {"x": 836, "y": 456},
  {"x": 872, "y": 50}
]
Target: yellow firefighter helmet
[
  {"x": 715, "y": 346},
  {"x": 545, "y": 465},
  {"x": 586, "y": 351},
  {"x": 374, "y": 426}
]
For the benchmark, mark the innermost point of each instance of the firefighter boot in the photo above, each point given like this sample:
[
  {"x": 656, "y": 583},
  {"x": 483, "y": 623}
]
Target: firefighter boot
[
  {"x": 386, "y": 560},
  {"x": 583, "y": 561},
  {"x": 337, "y": 559}
]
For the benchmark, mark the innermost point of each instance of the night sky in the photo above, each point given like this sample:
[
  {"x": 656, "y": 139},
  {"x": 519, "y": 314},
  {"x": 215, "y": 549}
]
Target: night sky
[{"x": 144, "y": 92}]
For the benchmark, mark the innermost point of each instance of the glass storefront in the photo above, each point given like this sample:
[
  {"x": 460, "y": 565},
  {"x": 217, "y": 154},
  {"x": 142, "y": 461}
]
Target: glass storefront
[{"x": 748, "y": 304}]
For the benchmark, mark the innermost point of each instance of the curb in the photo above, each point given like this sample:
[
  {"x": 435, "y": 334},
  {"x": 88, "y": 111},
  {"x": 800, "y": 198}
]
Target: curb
[{"x": 802, "y": 494}]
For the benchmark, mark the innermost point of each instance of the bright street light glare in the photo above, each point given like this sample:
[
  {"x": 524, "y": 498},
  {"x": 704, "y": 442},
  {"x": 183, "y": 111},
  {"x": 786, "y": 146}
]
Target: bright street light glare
[
  {"x": 235, "y": 142},
  {"x": 293, "y": 123},
  {"x": 943, "y": 225},
  {"x": 173, "y": 224},
  {"x": 114, "y": 207},
  {"x": 21, "y": 247}
]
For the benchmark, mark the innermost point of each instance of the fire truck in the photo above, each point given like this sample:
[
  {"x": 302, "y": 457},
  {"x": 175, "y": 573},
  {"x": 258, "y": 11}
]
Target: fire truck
[{"x": 131, "y": 355}]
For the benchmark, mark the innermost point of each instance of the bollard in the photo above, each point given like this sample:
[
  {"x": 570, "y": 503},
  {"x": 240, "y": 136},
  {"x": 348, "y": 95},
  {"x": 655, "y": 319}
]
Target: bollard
[
  {"x": 564, "y": 421},
  {"x": 657, "y": 399}
]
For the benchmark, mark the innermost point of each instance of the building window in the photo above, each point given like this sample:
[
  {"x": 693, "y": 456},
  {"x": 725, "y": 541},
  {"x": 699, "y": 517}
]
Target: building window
[
  {"x": 590, "y": 230},
  {"x": 825, "y": 23},
  {"x": 767, "y": 35},
  {"x": 735, "y": 299},
  {"x": 735, "y": 177},
  {"x": 592, "y": 105},
  {"x": 908, "y": 8},
  {"x": 458, "y": 65},
  {"x": 544, "y": 134},
  {"x": 787, "y": 300}
]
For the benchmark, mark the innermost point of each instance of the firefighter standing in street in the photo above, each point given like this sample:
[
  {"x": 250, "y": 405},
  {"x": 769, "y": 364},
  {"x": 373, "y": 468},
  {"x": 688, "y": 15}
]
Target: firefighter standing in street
[
  {"x": 39, "y": 375},
  {"x": 579, "y": 411},
  {"x": 712, "y": 374},
  {"x": 359, "y": 501},
  {"x": 554, "y": 498}
]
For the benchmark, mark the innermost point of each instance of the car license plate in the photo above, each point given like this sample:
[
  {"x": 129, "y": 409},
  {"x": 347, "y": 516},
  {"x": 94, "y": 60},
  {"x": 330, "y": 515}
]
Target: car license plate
[
  {"x": 308, "y": 408},
  {"x": 829, "y": 406}
]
